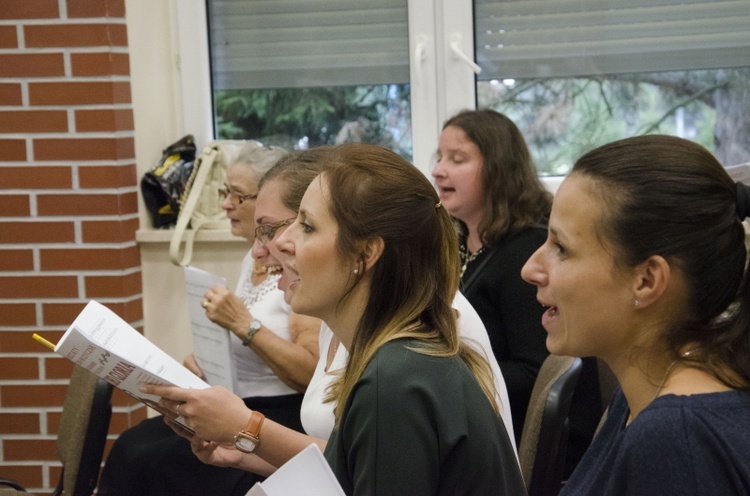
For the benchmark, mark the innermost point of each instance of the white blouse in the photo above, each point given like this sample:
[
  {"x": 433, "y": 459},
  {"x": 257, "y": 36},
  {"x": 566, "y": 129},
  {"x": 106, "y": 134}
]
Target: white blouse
[{"x": 266, "y": 303}]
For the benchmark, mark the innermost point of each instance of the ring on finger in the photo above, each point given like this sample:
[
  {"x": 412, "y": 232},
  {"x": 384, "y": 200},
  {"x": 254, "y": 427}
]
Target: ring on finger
[{"x": 177, "y": 409}]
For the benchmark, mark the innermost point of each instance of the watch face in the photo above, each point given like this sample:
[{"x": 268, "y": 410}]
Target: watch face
[
  {"x": 244, "y": 443},
  {"x": 255, "y": 325}
]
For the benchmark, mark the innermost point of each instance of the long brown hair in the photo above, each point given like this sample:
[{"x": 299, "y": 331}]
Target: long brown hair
[
  {"x": 514, "y": 198},
  {"x": 374, "y": 193}
]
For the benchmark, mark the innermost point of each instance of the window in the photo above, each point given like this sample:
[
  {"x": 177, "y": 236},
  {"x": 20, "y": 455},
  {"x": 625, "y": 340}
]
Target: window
[
  {"x": 577, "y": 74},
  {"x": 573, "y": 74},
  {"x": 301, "y": 73},
  {"x": 414, "y": 53}
]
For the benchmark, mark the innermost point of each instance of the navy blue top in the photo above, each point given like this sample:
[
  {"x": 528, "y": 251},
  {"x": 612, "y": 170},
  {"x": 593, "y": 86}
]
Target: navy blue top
[{"x": 682, "y": 445}]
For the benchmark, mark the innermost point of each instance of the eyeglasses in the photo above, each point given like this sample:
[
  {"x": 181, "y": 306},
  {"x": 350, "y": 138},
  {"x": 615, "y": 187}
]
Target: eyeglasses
[
  {"x": 237, "y": 198},
  {"x": 265, "y": 232}
]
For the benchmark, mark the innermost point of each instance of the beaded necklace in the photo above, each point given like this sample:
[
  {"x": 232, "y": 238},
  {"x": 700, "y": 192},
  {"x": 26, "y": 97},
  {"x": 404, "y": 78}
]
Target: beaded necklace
[
  {"x": 466, "y": 258},
  {"x": 250, "y": 293}
]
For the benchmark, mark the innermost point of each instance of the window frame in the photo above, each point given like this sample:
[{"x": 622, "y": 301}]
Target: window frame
[
  {"x": 441, "y": 83},
  {"x": 194, "y": 69},
  {"x": 440, "y": 86}
]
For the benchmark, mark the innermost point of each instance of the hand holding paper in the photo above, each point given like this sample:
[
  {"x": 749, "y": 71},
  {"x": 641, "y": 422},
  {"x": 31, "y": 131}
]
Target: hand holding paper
[
  {"x": 211, "y": 342},
  {"x": 101, "y": 342},
  {"x": 215, "y": 413}
]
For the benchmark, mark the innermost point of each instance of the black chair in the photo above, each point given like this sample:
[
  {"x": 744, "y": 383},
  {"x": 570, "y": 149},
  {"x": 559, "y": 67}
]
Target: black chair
[
  {"x": 82, "y": 435},
  {"x": 608, "y": 383},
  {"x": 544, "y": 438}
]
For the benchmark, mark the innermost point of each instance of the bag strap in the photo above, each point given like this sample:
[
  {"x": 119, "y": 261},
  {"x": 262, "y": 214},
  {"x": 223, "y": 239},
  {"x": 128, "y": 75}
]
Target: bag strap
[
  {"x": 180, "y": 232},
  {"x": 465, "y": 287}
]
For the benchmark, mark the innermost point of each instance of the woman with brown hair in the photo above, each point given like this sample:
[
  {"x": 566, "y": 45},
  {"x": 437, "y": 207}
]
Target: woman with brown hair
[
  {"x": 274, "y": 351},
  {"x": 645, "y": 268},
  {"x": 488, "y": 184},
  {"x": 374, "y": 254},
  {"x": 415, "y": 407}
]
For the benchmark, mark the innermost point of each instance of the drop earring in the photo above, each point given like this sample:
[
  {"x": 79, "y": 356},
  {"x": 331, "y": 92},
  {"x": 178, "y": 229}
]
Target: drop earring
[{"x": 637, "y": 303}]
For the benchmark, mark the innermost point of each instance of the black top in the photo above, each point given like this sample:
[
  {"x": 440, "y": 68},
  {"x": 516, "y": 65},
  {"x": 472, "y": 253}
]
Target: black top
[
  {"x": 512, "y": 315},
  {"x": 421, "y": 425}
]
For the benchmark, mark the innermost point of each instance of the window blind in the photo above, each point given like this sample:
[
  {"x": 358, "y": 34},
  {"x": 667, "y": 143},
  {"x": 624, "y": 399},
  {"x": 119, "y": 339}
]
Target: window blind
[
  {"x": 303, "y": 43},
  {"x": 561, "y": 38}
]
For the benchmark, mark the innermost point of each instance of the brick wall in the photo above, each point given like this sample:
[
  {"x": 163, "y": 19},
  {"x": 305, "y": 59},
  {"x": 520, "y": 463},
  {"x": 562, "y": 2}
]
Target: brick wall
[{"x": 68, "y": 210}]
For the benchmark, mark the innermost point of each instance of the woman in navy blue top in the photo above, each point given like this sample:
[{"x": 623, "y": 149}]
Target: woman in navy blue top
[{"x": 644, "y": 267}]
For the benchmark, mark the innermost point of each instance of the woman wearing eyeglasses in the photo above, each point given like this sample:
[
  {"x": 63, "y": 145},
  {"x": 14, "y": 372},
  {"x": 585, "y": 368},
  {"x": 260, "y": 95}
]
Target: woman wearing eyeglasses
[
  {"x": 274, "y": 350},
  {"x": 285, "y": 344},
  {"x": 436, "y": 454}
]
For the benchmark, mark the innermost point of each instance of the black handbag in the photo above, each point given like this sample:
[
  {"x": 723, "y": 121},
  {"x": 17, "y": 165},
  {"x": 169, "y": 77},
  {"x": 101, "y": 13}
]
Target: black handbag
[{"x": 163, "y": 186}]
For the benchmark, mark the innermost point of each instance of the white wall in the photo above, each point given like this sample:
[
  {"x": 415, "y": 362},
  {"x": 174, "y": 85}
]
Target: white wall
[{"x": 157, "y": 107}]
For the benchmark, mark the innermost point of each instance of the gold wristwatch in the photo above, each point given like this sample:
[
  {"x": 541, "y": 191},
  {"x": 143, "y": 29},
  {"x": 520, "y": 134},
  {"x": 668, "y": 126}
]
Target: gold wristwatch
[{"x": 249, "y": 438}]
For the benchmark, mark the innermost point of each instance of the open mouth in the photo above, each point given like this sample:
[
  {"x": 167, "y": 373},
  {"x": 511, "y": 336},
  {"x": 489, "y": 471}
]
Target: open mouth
[
  {"x": 274, "y": 269},
  {"x": 549, "y": 316}
]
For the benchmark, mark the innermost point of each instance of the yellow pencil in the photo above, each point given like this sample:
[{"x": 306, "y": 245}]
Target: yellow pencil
[{"x": 46, "y": 343}]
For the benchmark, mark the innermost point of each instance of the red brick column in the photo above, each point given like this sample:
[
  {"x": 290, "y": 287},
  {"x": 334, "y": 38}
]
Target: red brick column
[{"x": 68, "y": 210}]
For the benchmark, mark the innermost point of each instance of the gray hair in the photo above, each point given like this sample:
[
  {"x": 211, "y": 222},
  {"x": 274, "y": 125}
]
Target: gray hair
[{"x": 260, "y": 158}]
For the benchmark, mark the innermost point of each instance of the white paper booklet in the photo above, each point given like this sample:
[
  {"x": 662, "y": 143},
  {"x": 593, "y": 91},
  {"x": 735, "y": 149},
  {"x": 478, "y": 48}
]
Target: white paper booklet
[
  {"x": 211, "y": 342},
  {"x": 101, "y": 342},
  {"x": 307, "y": 473}
]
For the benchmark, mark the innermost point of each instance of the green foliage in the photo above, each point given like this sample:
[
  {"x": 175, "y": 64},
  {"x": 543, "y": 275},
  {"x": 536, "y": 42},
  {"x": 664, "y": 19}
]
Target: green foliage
[
  {"x": 299, "y": 117},
  {"x": 560, "y": 118},
  {"x": 563, "y": 118}
]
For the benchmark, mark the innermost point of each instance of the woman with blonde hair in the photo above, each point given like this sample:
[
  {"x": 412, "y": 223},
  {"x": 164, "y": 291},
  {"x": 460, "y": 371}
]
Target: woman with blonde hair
[
  {"x": 415, "y": 407},
  {"x": 373, "y": 253}
]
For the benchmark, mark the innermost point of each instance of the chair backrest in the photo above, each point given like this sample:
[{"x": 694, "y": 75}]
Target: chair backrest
[
  {"x": 608, "y": 383},
  {"x": 83, "y": 432},
  {"x": 13, "y": 489},
  {"x": 545, "y": 431}
]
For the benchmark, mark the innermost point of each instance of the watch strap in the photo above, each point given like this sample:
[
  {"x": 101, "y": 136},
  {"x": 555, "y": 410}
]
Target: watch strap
[
  {"x": 248, "y": 439},
  {"x": 254, "y": 424}
]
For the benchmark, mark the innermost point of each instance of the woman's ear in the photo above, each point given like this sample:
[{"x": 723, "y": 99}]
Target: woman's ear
[
  {"x": 652, "y": 279},
  {"x": 372, "y": 251}
]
